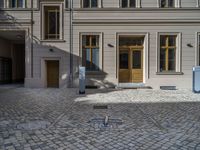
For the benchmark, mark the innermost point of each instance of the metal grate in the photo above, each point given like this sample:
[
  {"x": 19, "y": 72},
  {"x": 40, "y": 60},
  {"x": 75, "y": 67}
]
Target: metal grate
[
  {"x": 168, "y": 87},
  {"x": 100, "y": 107}
]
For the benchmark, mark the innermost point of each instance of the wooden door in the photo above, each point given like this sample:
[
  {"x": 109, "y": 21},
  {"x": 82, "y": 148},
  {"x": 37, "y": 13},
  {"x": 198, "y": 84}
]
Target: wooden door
[
  {"x": 136, "y": 65},
  {"x": 124, "y": 65},
  {"x": 53, "y": 74}
]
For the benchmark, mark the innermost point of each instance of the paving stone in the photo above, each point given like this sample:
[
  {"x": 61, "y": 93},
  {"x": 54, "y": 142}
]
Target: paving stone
[{"x": 151, "y": 119}]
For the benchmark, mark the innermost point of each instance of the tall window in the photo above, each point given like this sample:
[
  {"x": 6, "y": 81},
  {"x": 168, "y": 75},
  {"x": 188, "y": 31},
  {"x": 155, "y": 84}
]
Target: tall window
[
  {"x": 17, "y": 3},
  {"x": 167, "y": 3},
  {"x": 168, "y": 52},
  {"x": 52, "y": 22},
  {"x": 89, "y": 3},
  {"x": 128, "y": 3},
  {"x": 90, "y": 52}
]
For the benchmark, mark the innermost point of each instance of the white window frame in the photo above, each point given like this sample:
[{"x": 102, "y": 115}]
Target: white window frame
[
  {"x": 44, "y": 4},
  {"x": 138, "y": 4},
  {"x": 100, "y": 48},
  {"x": 198, "y": 3},
  {"x": 178, "y": 51},
  {"x": 98, "y": 6},
  {"x": 177, "y": 4}
]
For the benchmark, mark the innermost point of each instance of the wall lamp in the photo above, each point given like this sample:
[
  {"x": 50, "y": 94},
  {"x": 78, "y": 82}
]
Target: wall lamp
[
  {"x": 189, "y": 45},
  {"x": 51, "y": 50},
  {"x": 110, "y": 45}
]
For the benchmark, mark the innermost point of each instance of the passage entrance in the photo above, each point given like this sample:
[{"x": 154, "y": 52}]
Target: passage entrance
[{"x": 131, "y": 59}]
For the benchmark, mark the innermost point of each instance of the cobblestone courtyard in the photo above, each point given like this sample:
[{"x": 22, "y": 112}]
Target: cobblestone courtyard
[{"x": 37, "y": 119}]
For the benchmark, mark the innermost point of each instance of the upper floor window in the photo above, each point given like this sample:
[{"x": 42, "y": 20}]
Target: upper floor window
[
  {"x": 128, "y": 3},
  {"x": 89, "y": 3},
  {"x": 167, "y": 3},
  {"x": 52, "y": 24},
  {"x": 17, "y": 3}
]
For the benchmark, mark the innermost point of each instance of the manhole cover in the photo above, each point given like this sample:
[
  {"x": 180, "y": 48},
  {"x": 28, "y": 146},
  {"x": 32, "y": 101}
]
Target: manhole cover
[
  {"x": 33, "y": 125},
  {"x": 105, "y": 123}
]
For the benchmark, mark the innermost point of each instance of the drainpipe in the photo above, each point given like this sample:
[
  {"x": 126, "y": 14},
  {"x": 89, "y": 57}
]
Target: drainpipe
[
  {"x": 31, "y": 38},
  {"x": 71, "y": 43}
]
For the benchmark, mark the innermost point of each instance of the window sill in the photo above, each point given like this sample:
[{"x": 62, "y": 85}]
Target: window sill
[
  {"x": 52, "y": 40},
  {"x": 169, "y": 73}
]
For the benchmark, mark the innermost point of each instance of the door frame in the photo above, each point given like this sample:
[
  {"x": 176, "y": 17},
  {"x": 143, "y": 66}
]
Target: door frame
[
  {"x": 44, "y": 70},
  {"x": 145, "y": 53}
]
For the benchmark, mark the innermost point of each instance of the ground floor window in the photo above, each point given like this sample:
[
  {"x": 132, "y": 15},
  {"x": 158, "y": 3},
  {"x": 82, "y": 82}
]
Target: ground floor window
[
  {"x": 169, "y": 52},
  {"x": 90, "y": 52}
]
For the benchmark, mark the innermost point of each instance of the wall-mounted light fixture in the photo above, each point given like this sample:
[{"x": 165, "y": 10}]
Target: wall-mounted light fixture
[
  {"x": 189, "y": 45},
  {"x": 110, "y": 45},
  {"x": 51, "y": 50}
]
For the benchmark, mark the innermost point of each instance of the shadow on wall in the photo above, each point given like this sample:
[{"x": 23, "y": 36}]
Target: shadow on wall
[{"x": 44, "y": 50}]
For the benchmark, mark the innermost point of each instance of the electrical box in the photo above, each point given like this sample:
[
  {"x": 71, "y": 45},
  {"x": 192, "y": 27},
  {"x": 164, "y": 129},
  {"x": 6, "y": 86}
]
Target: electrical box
[
  {"x": 81, "y": 80},
  {"x": 196, "y": 79}
]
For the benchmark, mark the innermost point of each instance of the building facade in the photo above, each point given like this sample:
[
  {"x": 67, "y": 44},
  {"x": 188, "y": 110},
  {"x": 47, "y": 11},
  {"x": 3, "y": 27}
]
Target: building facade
[{"x": 120, "y": 42}]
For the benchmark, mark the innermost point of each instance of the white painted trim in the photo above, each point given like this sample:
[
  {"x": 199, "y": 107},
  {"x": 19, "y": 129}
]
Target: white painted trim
[
  {"x": 198, "y": 3},
  {"x": 100, "y": 47},
  {"x": 145, "y": 53},
  {"x": 178, "y": 49}
]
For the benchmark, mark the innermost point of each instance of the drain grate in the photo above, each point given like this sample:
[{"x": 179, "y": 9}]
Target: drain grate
[
  {"x": 100, "y": 107},
  {"x": 168, "y": 87}
]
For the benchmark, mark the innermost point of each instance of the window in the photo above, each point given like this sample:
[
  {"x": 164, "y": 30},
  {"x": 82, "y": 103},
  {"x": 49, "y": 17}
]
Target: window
[
  {"x": 128, "y": 3},
  {"x": 66, "y": 4},
  {"x": 168, "y": 50},
  {"x": 17, "y": 3},
  {"x": 167, "y": 3},
  {"x": 90, "y": 52},
  {"x": 51, "y": 22},
  {"x": 89, "y": 3}
]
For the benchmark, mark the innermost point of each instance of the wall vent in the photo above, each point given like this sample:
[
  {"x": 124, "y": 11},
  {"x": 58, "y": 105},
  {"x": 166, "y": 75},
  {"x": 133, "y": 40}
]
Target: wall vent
[{"x": 168, "y": 87}]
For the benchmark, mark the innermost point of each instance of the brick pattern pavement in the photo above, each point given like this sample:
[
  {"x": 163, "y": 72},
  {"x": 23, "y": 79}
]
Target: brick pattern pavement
[{"x": 151, "y": 119}]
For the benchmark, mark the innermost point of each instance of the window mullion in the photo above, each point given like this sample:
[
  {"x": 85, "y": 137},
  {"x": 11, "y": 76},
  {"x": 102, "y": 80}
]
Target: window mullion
[
  {"x": 167, "y": 54},
  {"x": 90, "y": 51}
]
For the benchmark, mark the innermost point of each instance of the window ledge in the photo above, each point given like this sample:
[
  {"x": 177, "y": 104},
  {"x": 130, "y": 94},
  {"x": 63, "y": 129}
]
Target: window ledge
[
  {"x": 52, "y": 40},
  {"x": 169, "y": 73}
]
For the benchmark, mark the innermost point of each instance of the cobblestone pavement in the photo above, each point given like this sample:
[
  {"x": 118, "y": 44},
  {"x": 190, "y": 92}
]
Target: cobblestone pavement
[{"x": 39, "y": 119}]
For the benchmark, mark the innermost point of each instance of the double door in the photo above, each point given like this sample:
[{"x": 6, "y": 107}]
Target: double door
[{"x": 131, "y": 65}]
